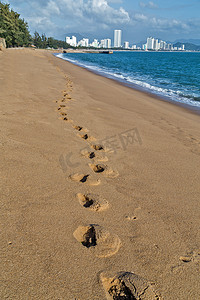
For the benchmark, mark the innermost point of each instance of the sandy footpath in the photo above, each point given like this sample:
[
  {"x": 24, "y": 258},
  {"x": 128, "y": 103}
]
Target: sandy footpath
[{"x": 100, "y": 187}]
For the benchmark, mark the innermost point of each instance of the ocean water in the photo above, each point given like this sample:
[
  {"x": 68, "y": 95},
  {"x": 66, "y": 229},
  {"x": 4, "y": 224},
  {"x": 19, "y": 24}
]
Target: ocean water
[{"x": 171, "y": 75}]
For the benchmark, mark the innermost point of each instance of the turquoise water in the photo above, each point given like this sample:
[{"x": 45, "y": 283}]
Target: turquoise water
[{"x": 175, "y": 75}]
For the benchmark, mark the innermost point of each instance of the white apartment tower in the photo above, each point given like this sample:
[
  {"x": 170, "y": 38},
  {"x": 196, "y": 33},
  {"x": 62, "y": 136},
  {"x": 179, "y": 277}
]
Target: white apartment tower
[
  {"x": 84, "y": 43},
  {"x": 156, "y": 45},
  {"x": 108, "y": 43},
  {"x": 71, "y": 41},
  {"x": 103, "y": 43},
  {"x": 117, "y": 38},
  {"x": 150, "y": 43},
  {"x": 126, "y": 45}
]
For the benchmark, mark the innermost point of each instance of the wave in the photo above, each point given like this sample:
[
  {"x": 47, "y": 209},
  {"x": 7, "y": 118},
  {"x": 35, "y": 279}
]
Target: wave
[{"x": 179, "y": 95}]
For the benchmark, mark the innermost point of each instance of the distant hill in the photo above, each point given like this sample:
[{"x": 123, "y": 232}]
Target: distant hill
[
  {"x": 139, "y": 44},
  {"x": 188, "y": 46},
  {"x": 189, "y": 41}
]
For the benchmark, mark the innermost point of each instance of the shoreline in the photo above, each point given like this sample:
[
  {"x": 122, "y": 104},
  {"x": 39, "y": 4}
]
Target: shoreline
[
  {"x": 100, "y": 182},
  {"x": 193, "y": 108}
]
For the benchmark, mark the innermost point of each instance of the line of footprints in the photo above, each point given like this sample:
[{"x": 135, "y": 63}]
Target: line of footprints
[{"x": 123, "y": 285}]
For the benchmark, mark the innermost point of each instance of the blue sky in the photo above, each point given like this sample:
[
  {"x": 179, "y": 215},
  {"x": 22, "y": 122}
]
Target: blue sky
[{"x": 165, "y": 19}]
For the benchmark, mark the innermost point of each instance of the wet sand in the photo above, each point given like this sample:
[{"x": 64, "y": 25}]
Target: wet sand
[{"x": 99, "y": 186}]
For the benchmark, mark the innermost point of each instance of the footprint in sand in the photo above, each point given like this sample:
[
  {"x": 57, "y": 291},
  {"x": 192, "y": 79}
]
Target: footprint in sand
[
  {"x": 97, "y": 147},
  {"x": 65, "y": 119},
  {"x": 85, "y": 136},
  {"x": 130, "y": 218},
  {"x": 63, "y": 100},
  {"x": 92, "y": 202},
  {"x": 62, "y": 105},
  {"x": 63, "y": 114},
  {"x": 100, "y": 168},
  {"x": 88, "y": 154},
  {"x": 127, "y": 285},
  {"x": 82, "y": 178},
  {"x": 93, "y": 155},
  {"x": 79, "y": 128},
  {"x": 97, "y": 168},
  {"x": 99, "y": 240},
  {"x": 134, "y": 216},
  {"x": 193, "y": 256}
]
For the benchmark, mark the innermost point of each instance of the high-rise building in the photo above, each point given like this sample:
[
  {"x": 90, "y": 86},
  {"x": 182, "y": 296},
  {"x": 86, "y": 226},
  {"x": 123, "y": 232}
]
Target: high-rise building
[
  {"x": 108, "y": 43},
  {"x": 71, "y": 41},
  {"x": 170, "y": 46},
  {"x": 117, "y": 38},
  {"x": 103, "y": 44},
  {"x": 156, "y": 45},
  {"x": 126, "y": 45},
  {"x": 84, "y": 43},
  {"x": 95, "y": 43},
  {"x": 150, "y": 43}
]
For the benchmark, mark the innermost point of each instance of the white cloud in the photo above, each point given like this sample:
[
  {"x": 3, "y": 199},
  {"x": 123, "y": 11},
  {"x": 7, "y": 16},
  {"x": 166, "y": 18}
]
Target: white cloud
[
  {"x": 149, "y": 4},
  {"x": 165, "y": 24},
  {"x": 40, "y": 23},
  {"x": 101, "y": 11},
  {"x": 97, "y": 17},
  {"x": 140, "y": 17},
  {"x": 161, "y": 25},
  {"x": 52, "y": 8},
  {"x": 53, "y": 16}
]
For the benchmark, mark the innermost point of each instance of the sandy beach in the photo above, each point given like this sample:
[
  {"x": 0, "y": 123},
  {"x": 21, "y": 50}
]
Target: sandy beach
[{"x": 100, "y": 186}]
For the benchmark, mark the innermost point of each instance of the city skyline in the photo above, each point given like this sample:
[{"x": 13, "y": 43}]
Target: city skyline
[
  {"x": 152, "y": 44},
  {"x": 111, "y": 44},
  {"x": 138, "y": 19}
]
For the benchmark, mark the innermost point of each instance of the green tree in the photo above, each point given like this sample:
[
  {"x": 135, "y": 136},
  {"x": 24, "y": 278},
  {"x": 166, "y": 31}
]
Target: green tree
[
  {"x": 53, "y": 43},
  {"x": 16, "y": 33},
  {"x": 13, "y": 28},
  {"x": 37, "y": 40},
  {"x": 44, "y": 41}
]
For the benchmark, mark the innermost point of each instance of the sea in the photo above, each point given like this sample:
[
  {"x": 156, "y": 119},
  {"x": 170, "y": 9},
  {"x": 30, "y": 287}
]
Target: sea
[{"x": 173, "y": 76}]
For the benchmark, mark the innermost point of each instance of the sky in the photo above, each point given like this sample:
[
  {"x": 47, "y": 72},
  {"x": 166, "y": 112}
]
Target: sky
[{"x": 164, "y": 19}]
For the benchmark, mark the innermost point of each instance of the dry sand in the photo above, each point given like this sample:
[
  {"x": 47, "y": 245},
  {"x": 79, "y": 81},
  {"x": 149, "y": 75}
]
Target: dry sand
[{"x": 100, "y": 186}]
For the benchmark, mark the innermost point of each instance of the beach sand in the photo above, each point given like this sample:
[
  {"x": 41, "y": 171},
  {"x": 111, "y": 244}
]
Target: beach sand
[{"x": 100, "y": 186}]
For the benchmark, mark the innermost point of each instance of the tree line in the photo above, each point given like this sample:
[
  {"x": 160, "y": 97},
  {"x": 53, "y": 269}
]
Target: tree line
[
  {"x": 16, "y": 33},
  {"x": 43, "y": 42}
]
